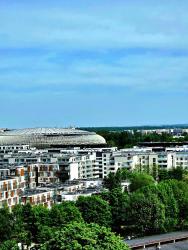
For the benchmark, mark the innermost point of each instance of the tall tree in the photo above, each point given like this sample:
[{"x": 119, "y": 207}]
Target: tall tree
[
  {"x": 95, "y": 209},
  {"x": 146, "y": 214},
  {"x": 6, "y": 224},
  {"x": 139, "y": 180},
  {"x": 9, "y": 245},
  {"x": 166, "y": 195},
  {"x": 114, "y": 180},
  {"x": 78, "y": 236},
  {"x": 64, "y": 213},
  {"x": 119, "y": 203}
]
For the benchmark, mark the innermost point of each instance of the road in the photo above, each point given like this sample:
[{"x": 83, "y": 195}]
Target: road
[
  {"x": 176, "y": 246},
  {"x": 165, "y": 239}
]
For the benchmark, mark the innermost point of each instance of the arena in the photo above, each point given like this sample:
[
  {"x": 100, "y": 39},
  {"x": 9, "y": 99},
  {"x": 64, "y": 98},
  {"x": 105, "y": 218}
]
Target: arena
[{"x": 52, "y": 137}]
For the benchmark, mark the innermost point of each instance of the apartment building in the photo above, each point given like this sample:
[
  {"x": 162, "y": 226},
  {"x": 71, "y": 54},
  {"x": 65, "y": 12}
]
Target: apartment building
[
  {"x": 132, "y": 160},
  {"x": 181, "y": 160},
  {"x": 4, "y": 172},
  {"x": 27, "y": 173},
  {"x": 88, "y": 167},
  {"x": 9, "y": 192},
  {"x": 36, "y": 197}
]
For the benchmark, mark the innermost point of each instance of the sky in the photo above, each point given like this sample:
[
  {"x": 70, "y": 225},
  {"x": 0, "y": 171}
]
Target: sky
[{"x": 93, "y": 63}]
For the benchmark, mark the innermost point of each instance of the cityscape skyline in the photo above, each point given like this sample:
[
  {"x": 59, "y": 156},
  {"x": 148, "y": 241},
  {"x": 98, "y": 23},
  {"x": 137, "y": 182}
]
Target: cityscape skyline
[{"x": 93, "y": 63}]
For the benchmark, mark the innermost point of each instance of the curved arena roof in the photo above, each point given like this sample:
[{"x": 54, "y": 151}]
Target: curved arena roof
[{"x": 51, "y": 137}]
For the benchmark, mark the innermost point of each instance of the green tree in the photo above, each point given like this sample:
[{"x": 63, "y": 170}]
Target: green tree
[
  {"x": 64, "y": 213},
  {"x": 41, "y": 221},
  {"x": 146, "y": 214},
  {"x": 9, "y": 245},
  {"x": 78, "y": 236},
  {"x": 176, "y": 173},
  {"x": 180, "y": 192},
  {"x": 29, "y": 223},
  {"x": 45, "y": 233},
  {"x": 163, "y": 175},
  {"x": 166, "y": 195},
  {"x": 119, "y": 203},
  {"x": 95, "y": 210},
  {"x": 139, "y": 180},
  {"x": 6, "y": 224},
  {"x": 20, "y": 233},
  {"x": 17, "y": 214},
  {"x": 114, "y": 180}
]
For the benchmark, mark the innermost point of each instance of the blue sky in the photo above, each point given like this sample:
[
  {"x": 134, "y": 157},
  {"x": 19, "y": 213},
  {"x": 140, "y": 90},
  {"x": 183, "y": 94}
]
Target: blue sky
[{"x": 93, "y": 63}]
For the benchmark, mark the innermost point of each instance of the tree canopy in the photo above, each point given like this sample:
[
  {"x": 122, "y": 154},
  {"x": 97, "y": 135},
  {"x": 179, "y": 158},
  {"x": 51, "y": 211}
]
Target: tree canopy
[
  {"x": 78, "y": 236},
  {"x": 95, "y": 210}
]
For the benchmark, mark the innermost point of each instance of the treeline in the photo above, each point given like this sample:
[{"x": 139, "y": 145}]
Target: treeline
[
  {"x": 135, "y": 128},
  {"x": 125, "y": 139}
]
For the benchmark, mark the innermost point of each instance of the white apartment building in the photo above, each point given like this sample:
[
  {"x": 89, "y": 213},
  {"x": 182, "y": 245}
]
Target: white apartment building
[
  {"x": 88, "y": 167},
  {"x": 181, "y": 159},
  {"x": 131, "y": 161}
]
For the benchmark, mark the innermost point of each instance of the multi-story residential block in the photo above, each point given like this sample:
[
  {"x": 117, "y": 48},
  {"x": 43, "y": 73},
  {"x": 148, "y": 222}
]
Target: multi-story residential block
[
  {"x": 47, "y": 173},
  {"x": 9, "y": 192},
  {"x": 36, "y": 197},
  {"x": 181, "y": 160},
  {"x": 4, "y": 172},
  {"x": 88, "y": 167},
  {"x": 31, "y": 168}
]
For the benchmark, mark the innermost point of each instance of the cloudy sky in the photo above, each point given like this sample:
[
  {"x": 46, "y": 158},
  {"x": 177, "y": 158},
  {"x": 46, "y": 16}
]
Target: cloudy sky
[{"x": 93, "y": 62}]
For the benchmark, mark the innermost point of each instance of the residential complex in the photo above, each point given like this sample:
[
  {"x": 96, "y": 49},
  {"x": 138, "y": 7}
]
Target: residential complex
[{"x": 52, "y": 174}]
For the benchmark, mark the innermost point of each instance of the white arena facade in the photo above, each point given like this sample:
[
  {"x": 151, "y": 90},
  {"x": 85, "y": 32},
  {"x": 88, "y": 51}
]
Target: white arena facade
[{"x": 52, "y": 137}]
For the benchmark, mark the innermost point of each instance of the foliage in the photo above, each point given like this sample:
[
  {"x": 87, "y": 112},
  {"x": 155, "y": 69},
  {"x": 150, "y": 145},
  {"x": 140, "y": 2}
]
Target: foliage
[
  {"x": 149, "y": 208},
  {"x": 139, "y": 180},
  {"x": 95, "y": 210},
  {"x": 64, "y": 213},
  {"x": 77, "y": 236},
  {"x": 180, "y": 192},
  {"x": 119, "y": 202},
  {"x": 177, "y": 173},
  {"x": 9, "y": 245},
  {"x": 124, "y": 139},
  {"x": 6, "y": 224},
  {"x": 19, "y": 227},
  {"x": 163, "y": 175},
  {"x": 44, "y": 233},
  {"x": 146, "y": 214},
  {"x": 166, "y": 196},
  {"x": 114, "y": 180}
]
